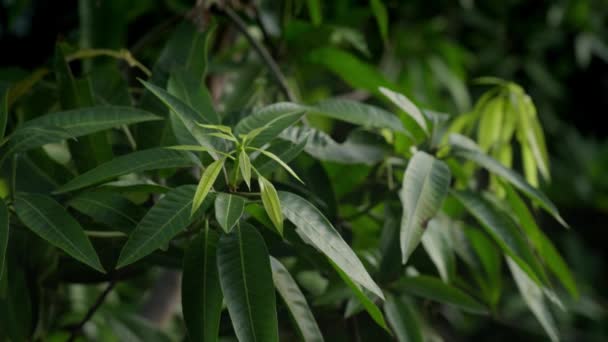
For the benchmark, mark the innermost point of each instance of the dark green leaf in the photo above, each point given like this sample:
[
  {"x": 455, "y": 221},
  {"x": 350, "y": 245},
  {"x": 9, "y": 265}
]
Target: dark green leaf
[
  {"x": 246, "y": 280},
  {"x": 3, "y": 236},
  {"x": 315, "y": 229},
  {"x": 403, "y": 319},
  {"x": 269, "y": 122},
  {"x": 201, "y": 292},
  {"x": 285, "y": 150},
  {"x": 51, "y": 221},
  {"x": 358, "y": 113},
  {"x": 108, "y": 208},
  {"x": 166, "y": 219},
  {"x": 381, "y": 15},
  {"x": 146, "y": 160}
]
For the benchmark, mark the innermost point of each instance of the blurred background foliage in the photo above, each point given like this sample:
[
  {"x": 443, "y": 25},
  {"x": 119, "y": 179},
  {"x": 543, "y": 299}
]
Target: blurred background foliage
[{"x": 430, "y": 50}]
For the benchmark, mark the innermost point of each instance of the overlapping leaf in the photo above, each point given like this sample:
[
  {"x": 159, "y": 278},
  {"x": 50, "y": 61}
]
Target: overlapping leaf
[{"x": 228, "y": 210}]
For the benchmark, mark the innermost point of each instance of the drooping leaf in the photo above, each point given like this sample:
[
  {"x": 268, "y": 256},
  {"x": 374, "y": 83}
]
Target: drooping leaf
[
  {"x": 268, "y": 122},
  {"x": 51, "y": 221},
  {"x": 3, "y": 235},
  {"x": 246, "y": 280},
  {"x": 363, "y": 299},
  {"x": 503, "y": 231},
  {"x": 437, "y": 242},
  {"x": 201, "y": 292},
  {"x": 285, "y": 150},
  {"x": 279, "y": 161},
  {"x": 425, "y": 184},
  {"x": 404, "y": 104},
  {"x": 434, "y": 289},
  {"x": 403, "y": 319},
  {"x": 245, "y": 168},
  {"x": 146, "y": 160},
  {"x": 169, "y": 216},
  {"x": 533, "y": 296},
  {"x": 228, "y": 210},
  {"x": 272, "y": 205},
  {"x": 108, "y": 208},
  {"x": 465, "y": 148},
  {"x": 206, "y": 183},
  {"x": 296, "y": 302},
  {"x": 381, "y": 15},
  {"x": 315, "y": 229},
  {"x": 358, "y": 113}
]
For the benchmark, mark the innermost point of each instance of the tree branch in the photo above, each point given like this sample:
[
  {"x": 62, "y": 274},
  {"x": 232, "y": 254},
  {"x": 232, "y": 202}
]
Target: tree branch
[
  {"x": 77, "y": 329},
  {"x": 261, "y": 50}
]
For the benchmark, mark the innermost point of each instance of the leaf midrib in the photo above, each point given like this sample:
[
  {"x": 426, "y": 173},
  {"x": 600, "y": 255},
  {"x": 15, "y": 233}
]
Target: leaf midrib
[{"x": 243, "y": 271}]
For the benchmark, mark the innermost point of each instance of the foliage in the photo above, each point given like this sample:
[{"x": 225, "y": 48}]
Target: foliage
[{"x": 253, "y": 177}]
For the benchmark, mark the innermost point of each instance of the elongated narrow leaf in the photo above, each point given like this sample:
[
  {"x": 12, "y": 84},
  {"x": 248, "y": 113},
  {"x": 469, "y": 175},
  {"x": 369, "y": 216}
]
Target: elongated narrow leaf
[
  {"x": 533, "y": 296},
  {"x": 280, "y": 162},
  {"x": 191, "y": 90},
  {"x": 272, "y": 205},
  {"x": 463, "y": 147},
  {"x": 201, "y": 292},
  {"x": 206, "y": 183},
  {"x": 434, "y": 289},
  {"x": 152, "y": 159},
  {"x": 358, "y": 113},
  {"x": 166, "y": 219},
  {"x": 503, "y": 231},
  {"x": 540, "y": 241},
  {"x": 425, "y": 184},
  {"x": 381, "y": 15},
  {"x": 228, "y": 210},
  {"x": 437, "y": 242},
  {"x": 245, "y": 168},
  {"x": 403, "y": 319},
  {"x": 407, "y": 106},
  {"x": 367, "y": 303},
  {"x": 3, "y": 235},
  {"x": 28, "y": 138},
  {"x": 51, "y": 221},
  {"x": 197, "y": 148},
  {"x": 270, "y": 122},
  {"x": 285, "y": 150},
  {"x": 246, "y": 279},
  {"x": 315, "y": 229},
  {"x": 108, "y": 208},
  {"x": 296, "y": 302}
]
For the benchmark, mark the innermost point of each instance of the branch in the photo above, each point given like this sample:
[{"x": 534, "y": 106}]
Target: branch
[
  {"x": 77, "y": 329},
  {"x": 261, "y": 50}
]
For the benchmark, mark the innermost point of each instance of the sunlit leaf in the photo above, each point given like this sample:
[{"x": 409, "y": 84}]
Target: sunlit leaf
[
  {"x": 206, "y": 183},
  {"x": 272, "y": 205},
  {"x": 407, "y": 106},
  {"x": 279, "y": 161}
]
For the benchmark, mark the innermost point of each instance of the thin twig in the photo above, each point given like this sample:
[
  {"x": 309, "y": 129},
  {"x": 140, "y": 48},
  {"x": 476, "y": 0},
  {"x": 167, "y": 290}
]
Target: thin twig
[
  {"x": 77, "y": 329},
  {"x": 261, "y": 50},
  {"x": 122, "y": 54}
]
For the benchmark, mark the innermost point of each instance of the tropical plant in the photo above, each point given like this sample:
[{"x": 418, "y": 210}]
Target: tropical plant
[{"x": 367, "y": 211}]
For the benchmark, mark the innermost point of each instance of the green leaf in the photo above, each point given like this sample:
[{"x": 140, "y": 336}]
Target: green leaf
[
  {"x": 198, "y": 148},
  {"x": 228, "y": 210},
  {"x": 206, "y": 183},
  {"x": 169, "y": 216},
  {"x": 278, "y": 161},
  {"x": 3, "y": 114},
  {"x": 268, "y": 122},
  {"x": 3, "y": 236},
  {"x": 533, "y": 296},
  {"x": 369, "y": 305},
  {"x": 316, "y": 230},
  {"x": 381, "y": 15},
  {"x": 540, "y": 241},
  {"x": 437, "y": 242},
  {"x": 51, "y": 221},
  {"x": 272, "y": 205},
  {"x": 358, "y": 113},
  {"x": 245, "y": 168},
  {"x": 146, "y": 160},
  {"x": 246, "y": 280},
  {"x": 425, "y": 184},
  {"x": 464, "y": 148},
  {"x": 403, "y": 319},
  {"x": 201, "y": 292},
  {"x": 434, "y": 289},
  {"x": 28, "y": 138},
  {"x": 314, "y": 11},
  {"x": 503, "y": 231},
  {"x": 285, "y": 150},
  {"x": 491, "y": 123},
  {"x": 296, "y": 302},
  {"x": 407, "y": 106},
  {"x": 355, "y": 72},
  {"x": 191, "y": 89},
  {"x": 221, "y": 128},
  {"x": 111, "y": 209}
]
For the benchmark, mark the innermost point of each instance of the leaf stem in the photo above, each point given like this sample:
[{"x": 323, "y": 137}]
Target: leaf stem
[{"x": 122, "y": 54}]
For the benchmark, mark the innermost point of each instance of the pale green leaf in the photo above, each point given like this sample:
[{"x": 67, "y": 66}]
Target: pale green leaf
[
  {"x": 437, "y": 242},
  {"x": 169, "y": 216},
  {"x": 272, "y": 205},
  {"x": 228, "y": 210},
  {"x": 316, "y": 230},
  {"x": 358, "y": 113},
  {"x": 145, "y": 160},
  {"x": 285, "y": 150},
  {"x": 425, "y": 184},
  {"x": 407, "y": 106},
  {"x": 246, "y": 280},
  {"x": 49, "y": 220},
  {"x": 197, "y": 148},
  {"x": 245, "y": 168},
  {"x": 278, "y": 161},
  {"x": 296, "y": 302},
  {"x": 206, "y": 183}
]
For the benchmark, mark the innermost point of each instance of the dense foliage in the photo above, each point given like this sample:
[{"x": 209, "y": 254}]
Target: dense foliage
[{"x": 314, "y": 170}]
